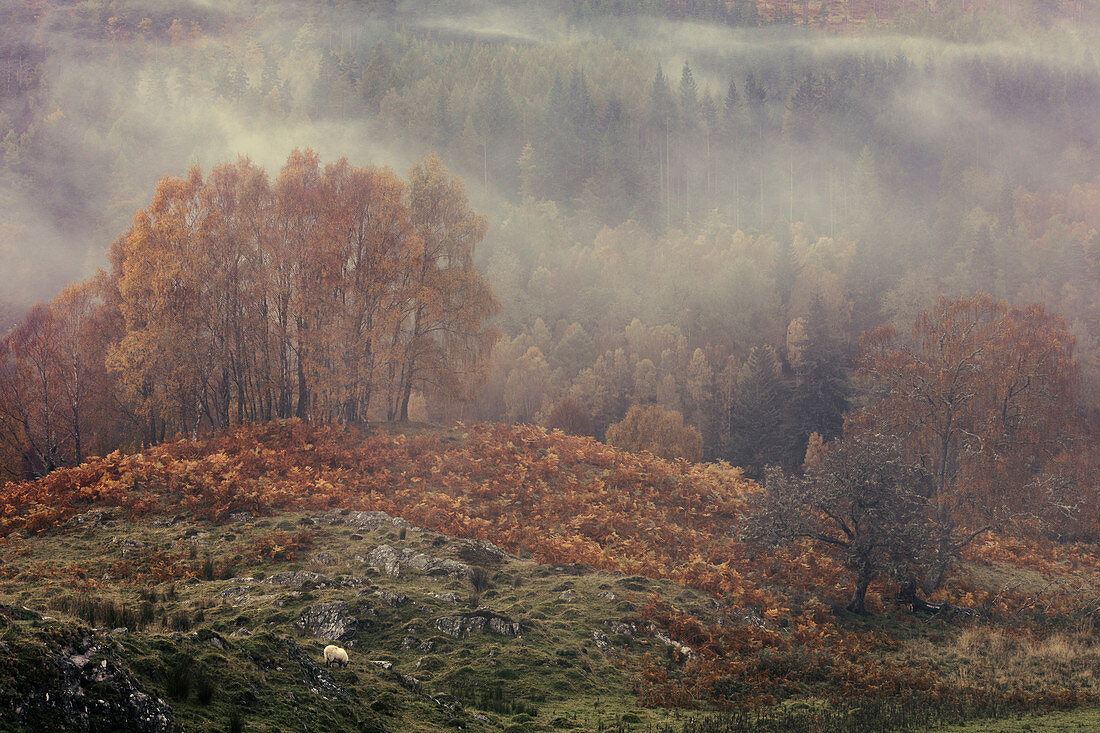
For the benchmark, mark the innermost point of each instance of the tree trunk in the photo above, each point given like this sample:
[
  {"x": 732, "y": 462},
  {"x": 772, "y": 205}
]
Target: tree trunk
[
  {"x": 934, "y": 578},
  {"x": 858, "y": 604},
  {"x": 303, "y": 390}
]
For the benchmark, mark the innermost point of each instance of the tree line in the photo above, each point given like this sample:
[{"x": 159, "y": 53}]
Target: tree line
[{"x": 330, "y": 294}]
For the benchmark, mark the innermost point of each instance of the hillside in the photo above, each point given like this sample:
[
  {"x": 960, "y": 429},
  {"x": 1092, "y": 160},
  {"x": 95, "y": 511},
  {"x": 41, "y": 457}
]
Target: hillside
[{"x": 517, "y": 578}]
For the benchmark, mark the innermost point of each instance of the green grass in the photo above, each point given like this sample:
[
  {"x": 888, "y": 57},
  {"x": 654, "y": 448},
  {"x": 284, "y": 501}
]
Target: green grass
[
  {"x": 1074, "y": 720},
  {"x": 222, "y": 663},
  {"x": 212, "y": 659}
]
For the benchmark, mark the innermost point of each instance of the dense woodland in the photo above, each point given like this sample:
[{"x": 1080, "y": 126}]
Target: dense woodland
[
  {"x": 705, "y": 239},
  {"x": 709, "y": 233}
]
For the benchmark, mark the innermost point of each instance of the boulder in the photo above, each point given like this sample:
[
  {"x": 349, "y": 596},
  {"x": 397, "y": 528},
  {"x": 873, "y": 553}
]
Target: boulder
[
  {"x": 477, "y": 621},
  {"x": 331, "y": 621},
  {"x": 298, "y": 578},
  {"x": 395, "y": 562},
  {"x": 391, "y": 598}
]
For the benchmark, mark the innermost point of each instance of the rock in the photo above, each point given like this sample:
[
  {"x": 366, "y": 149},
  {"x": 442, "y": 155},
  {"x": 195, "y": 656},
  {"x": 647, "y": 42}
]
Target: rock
[
  {"x": 324, "y": 558},
  {"x": 364, "y": 521},
  {"x": 386, "y": 559},
  {"x": 90, "y": 519},
  {"x": 386, "y": 665},
  {"x": 618, "y": 628},
  {"x": 567, "y": 595},
  {"x": 395, "y": 562},
  {"x": 298, "y": 578},
  {"x": 393, "y": 599},
  {"x": 607, "y": 595},
  {"x": 246, "y": 517},
  {"x": 603, "y": 642},
  {"x": 480, "y": 620},
  {"x": 480, "y": 552},
  {"x": 409, "y": 642},
  {"x": 319, "y": 681},
  {"x": 330, "y": 621},
  {"x": 85, "y": 685},
  {"x": 446, "y": 597},
  {"x": 233, "y": 591},
  {"x": 670, "y": 642}
]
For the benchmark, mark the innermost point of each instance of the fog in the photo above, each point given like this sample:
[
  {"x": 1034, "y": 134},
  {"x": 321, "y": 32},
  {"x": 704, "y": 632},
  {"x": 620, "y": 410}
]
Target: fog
[{"x": 115, "y": 107}]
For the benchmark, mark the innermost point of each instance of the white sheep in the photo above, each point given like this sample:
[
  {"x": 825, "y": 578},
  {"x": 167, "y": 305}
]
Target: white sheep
[{"x": 334, "y": 653}]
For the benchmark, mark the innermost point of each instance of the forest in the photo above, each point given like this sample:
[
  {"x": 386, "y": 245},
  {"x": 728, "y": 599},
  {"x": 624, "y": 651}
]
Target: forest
[{"x": 687, "y": 209}]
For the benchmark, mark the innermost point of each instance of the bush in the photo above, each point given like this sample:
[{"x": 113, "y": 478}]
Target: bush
[{"x": 657, "y": 430}]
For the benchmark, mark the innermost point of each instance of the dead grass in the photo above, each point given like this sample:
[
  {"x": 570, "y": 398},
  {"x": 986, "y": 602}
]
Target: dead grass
[{"x": 982, "y": 656}]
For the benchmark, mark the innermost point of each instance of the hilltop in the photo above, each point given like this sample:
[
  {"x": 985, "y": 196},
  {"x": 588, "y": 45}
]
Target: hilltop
[{"x": 486, "y": 577}]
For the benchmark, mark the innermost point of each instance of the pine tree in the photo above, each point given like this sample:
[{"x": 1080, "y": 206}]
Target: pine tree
[{"x": 760, "y": 424}]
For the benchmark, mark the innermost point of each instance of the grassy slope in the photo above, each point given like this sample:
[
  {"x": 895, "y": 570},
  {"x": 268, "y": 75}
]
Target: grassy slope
[{"x": 552, "y": 672}]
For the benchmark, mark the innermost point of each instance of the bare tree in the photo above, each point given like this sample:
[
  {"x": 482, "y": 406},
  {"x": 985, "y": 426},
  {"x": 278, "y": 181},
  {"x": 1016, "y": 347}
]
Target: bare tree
[{"x": 859, "y": 500}]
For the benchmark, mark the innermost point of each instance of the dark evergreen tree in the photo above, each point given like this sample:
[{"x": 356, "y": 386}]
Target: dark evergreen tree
[
  {"x": 822, "y": 379},
  {"x": 760, "y": 421}
]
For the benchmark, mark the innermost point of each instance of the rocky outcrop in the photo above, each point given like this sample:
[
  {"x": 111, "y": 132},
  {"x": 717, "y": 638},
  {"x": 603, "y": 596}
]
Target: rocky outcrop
[
  {"x": 298, "y": 578},
  {"x": 477, "y": 621},
  {"x": 331, "y": 621},
  {"x": 395, "y": 562},
  {"x": 319, "y": 681},
  {"x": 81, "y": 686},
  {"x": 393, "y": 599}
]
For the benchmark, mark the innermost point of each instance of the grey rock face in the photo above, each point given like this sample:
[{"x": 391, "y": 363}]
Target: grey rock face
[
  {"x": 83, "y": 687},
  {"x": 392, "y": 598},
  {"x": 395, "y": 562},
  {"x": 477, "y": 621},
  {"x": 298, "y": 578},
  {"x": 330, "y": 621}
]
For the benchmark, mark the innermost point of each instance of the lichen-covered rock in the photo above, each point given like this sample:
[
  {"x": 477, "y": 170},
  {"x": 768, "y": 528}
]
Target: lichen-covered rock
[
  {"x": 386, "y": 559},
  {"x": 603, "y": 642},
  {"x": 324, "y": 558},
  {"x": 81, "y": 687},
  {"x": 233, "y": 591},
  {"x": 391, "y": 598},
  {"x": 620, "y": 628},
  {"x": 395, "y": 562},
  {"x": 480, "y": 552},
  {"x": 330, "y": 620},
  {"x": 668, "y": 641},
  {"x": 480, "y": 620},
  {"x": 298, "y": 578}
]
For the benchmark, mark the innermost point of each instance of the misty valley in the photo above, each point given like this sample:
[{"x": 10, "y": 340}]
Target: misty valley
[{"x": 683, "y": 366}]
